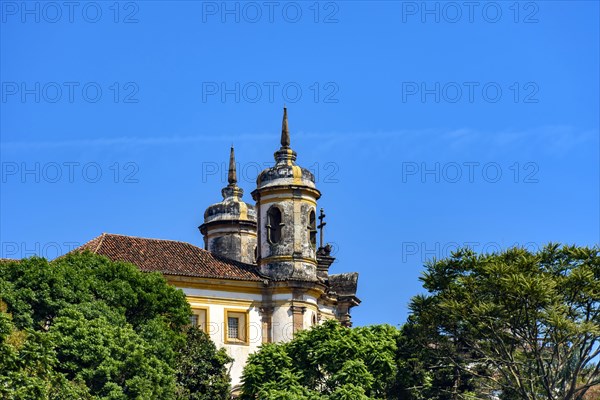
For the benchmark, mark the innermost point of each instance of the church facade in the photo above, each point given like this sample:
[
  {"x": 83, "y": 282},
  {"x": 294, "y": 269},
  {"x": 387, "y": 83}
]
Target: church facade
[{"x": 261, "y": 276}]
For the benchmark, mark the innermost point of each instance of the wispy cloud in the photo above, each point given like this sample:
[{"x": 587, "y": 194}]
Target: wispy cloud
[
  {"x": 553, "y": 139},
  {"x": 127, "y": 141}
]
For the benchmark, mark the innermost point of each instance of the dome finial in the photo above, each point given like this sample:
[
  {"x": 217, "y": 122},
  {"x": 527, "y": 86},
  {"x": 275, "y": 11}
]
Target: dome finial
[
  {"x": 232, "y": 189},
  {"x": 285, "y": 132},
  {"x": 232, "y": 175},
  {"x": 285, "y": 154}
]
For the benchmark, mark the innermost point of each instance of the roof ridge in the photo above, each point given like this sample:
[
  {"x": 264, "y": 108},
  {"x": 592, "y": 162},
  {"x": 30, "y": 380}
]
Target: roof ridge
[
  {"x": 147, "y": 238},
  {"x": 89, "y": 242},
  {"x": 100, "y": 242}
]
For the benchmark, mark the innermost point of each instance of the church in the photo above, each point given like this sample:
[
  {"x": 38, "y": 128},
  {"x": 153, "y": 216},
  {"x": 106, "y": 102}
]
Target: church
[{"x": 260, "y": 277}]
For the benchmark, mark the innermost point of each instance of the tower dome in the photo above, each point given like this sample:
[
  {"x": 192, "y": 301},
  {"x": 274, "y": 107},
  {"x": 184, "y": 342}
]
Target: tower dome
[
  {"x": 286, "y": 200},
  {"x": 285, "y": 171},
  {"x": 229, "y": 227}
]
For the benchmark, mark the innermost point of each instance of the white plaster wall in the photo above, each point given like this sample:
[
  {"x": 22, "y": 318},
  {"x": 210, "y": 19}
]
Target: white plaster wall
[
  {"x": 240, "y": 352},
  {"x": 307, "y": 317},
  {"x": 288, "y": 296},
  {"x": 282, "y": 323},
  {"x": 216, "y": 302},
  {"x": 221, "y": 295},
  {"x": 326, "y": 313},
  {"x": 326, "y": 309}
]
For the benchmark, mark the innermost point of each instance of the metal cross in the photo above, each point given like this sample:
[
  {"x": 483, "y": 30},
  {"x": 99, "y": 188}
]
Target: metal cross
[{"x": 321, "y": 226}]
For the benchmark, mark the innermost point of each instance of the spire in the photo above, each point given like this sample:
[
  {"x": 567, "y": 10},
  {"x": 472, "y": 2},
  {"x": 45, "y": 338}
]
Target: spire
[
  {"x": 285, "y": 154},
  {"x": 232, "y": 189},
  {"x": 285, "y": 132},
  {"x": 232, "y": 175}
]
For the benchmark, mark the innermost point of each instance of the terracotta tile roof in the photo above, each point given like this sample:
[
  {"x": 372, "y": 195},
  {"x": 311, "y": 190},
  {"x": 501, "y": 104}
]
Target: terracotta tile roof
[{"x": 169, "y": 257}]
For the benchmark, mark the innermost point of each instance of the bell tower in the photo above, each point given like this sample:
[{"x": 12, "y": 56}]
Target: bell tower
[
  {"x": 229, "y": 227},
  {"x": 286, "y": 202}
]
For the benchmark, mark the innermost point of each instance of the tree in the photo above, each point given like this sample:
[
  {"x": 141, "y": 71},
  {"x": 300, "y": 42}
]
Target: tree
[
  {"x": 524, "y": 325},
  {"x": 423, "y": 370},
  {"x": 201, "y": 372},
  {"x": 104, "y": 330},
  {"x": 112, "y": 359},
  {"x": 27, "y": 366},
  {"x": 327, "y": 362}
]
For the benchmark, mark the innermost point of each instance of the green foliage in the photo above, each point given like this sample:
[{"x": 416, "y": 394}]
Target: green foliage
[
  {"x": 27, "y": 367},
  {"x": 514, "y": 326},
  {"x": 200, "y": 368},
  {"x": 525, "y": 325},
  {"x": 326, "y": 362},
  {"x": 113, "y": 360},
  {"x": 85, "y": 327},
  {"x": 38, "y": 290},
  {"x": 424, "y": 370}
]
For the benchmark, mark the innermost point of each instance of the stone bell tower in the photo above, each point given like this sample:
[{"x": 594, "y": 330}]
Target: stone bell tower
[
  {"x": 286, "y": 201},
  {"x": 229, "y": 227}
]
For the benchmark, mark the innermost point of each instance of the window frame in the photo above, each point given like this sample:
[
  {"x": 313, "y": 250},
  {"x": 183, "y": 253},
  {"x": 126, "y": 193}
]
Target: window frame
[
  {"x": 270, "y": 228},
  {"x": 195, "y": 311},
  {"x": 312, "y": 228},
  {"x": 243, "y": 326}
]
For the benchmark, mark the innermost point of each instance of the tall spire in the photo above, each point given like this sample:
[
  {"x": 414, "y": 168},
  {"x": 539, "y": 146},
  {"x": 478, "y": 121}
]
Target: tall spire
[
  {"x": 285, "y": 132},
  {"x": 285, "y": 154},
  {"x": 232, "y": 175},
  {"x": 232, "y": 189}
]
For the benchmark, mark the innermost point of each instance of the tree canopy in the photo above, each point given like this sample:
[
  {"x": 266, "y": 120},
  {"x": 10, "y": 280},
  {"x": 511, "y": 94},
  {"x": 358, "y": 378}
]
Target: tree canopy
[
  {"x": 327, "y": 362},
  {"x": 511, "y": 326},
  {"x": 84, "y": 327},
  {"x": 518, "y": 325}
]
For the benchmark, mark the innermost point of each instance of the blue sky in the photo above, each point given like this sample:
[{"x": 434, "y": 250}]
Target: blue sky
[{"x": 428, "y": 126}]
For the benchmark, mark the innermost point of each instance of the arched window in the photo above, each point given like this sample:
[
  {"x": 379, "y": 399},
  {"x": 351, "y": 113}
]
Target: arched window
[
  {"x": 312, "y": 228},
  {"x": 274, "y": 225}
]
